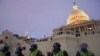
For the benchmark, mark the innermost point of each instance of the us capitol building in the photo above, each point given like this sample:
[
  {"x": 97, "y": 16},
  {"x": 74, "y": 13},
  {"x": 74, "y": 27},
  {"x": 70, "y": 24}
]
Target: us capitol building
[{"x": 79, "y": 28}]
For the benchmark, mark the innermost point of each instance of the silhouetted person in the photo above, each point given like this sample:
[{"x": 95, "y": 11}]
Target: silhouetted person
[
  {"x": 19, "y": 50},
  {"x": 34, "y": 51},
  {"x": 84, "y": 51},
  {"x": 2, "y": 52},
  {"x": 57, "y": 51},
  {"x": 6, "y": 50}
]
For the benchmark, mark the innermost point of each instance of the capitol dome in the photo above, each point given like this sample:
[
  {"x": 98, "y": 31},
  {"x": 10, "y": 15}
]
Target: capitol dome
[{"x": 77, "y": 16}]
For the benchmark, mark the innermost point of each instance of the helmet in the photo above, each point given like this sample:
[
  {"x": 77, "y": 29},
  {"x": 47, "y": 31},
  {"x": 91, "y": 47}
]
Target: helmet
[
  {"x": 84, "y": 45},
  {"x": 56, "y": 45},
  {"x": 34, "y": 46}
]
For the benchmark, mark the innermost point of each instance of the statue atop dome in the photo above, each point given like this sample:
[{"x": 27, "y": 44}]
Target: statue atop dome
[{"x": 75, "y": 7}]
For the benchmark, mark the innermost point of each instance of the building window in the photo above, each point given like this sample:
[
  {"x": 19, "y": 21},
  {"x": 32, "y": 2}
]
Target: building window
[
  {"x": 41, "y": 40},
  {"x": 85, "y": 33},
  {"x": 82, "y": 28},
  {"x": 51, "y": 38},
  {"x": 77, "y": 29},
  {"x": 6, "y": 37},
  {"x": 60, "y": 33},
  {"x": 68, "y": 32},
  {"x": 72, "y": 29},
  {"x": 89, "y": 27}
]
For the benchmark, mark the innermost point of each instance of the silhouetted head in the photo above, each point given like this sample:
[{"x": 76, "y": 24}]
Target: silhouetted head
[
  {"x": 23, "y": 48},
  {"x": 18, "y": 50},
  {"x": 5, "y": 47},
  {"x": 33, "y": 47},
  {"x": 56, "y": 47},
  {"x": 83, "y": 47}
]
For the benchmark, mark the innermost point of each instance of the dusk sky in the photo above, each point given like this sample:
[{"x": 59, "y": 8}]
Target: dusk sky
[{"x": 40, "y": 17}]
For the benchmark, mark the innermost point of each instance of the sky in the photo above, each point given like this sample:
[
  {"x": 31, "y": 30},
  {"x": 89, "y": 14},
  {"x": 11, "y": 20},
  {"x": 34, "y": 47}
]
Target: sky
[{"x": 40, "y": 17}]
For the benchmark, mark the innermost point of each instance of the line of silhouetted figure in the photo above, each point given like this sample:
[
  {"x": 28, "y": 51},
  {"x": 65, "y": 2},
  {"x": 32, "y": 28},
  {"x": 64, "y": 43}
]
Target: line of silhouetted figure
[{"x": 34, "y": 51}]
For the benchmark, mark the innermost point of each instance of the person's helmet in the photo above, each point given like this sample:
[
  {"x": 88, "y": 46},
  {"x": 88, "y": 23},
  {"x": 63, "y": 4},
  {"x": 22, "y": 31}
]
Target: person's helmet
[
  {"x": 83, "y": 45},
  {"x": 56, "y": 45},
  {"x": 34, "y": 46},
  {"x": 19, "y": 49},
  {"x": 6, "y": 47}
]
